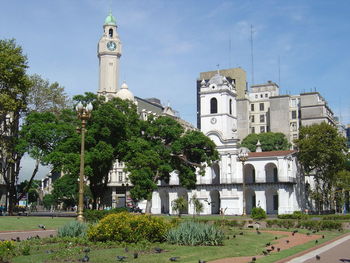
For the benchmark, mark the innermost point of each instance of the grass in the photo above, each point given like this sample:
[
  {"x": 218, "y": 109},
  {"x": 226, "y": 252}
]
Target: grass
[{"x": 9, "y": 223}]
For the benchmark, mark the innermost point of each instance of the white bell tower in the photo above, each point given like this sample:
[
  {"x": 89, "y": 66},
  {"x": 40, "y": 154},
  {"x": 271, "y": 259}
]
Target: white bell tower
[{"x": 109, "y": 51}]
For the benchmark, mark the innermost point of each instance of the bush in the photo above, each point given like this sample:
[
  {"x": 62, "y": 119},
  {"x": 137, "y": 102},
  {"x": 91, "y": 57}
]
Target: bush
[
  {"x": 258, "y": 213},
  {"x": 231, "y": 223},
  {"x": 320, "y": 225},
  {"x": 287, "y": 223},
  {"x": 7, "y": 250},
  {"x": 96, "y": 215},
  {"x": 195, "y": 234},
  {"x": 130, "y": 228},
  {"x": 296, "y": 215},
  {"x": 336, "y": 217},
  {"x": 73, "y": 229}
]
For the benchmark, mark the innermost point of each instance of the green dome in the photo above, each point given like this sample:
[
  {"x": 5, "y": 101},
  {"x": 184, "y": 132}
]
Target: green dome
[{"x": 110, "y": 20}]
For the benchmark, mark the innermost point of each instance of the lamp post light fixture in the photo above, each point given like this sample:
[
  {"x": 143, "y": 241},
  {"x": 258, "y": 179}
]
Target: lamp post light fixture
[
  {"x": 243, "y": 157},
  {"x": 84, "y": 113}
]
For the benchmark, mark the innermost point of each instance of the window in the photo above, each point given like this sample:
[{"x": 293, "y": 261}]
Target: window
[
  {"x": 120, "y": 176},
  {"x": 261, "y": 95},
  {"x": 266, "y": 95},
  {"x": 230, "y": 106},
  {"x": 275, "y": 202},
  {"x": 252, "y": 118},
  {"x": 110, "y": 32},
  {"x": 275, "y": 175},
  {"x": 262, "y": 118},
  {"x": 261, "y": 106},
  {"x": 252, "y": 107},
  {"x": 256, "y": 96},
  {"x": 213, "y": 105},
  {"x": 262, "y": 129},
  {"x": 294, "y": 114},
  {"x": 253, "y": 130}
]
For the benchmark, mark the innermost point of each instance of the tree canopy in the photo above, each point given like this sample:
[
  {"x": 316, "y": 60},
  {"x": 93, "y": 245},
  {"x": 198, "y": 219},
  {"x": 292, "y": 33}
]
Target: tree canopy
[
  {"x": 322, "y": 152},
  {"x": 270, "y": 141},
  {"x": 161, "y": 147}
]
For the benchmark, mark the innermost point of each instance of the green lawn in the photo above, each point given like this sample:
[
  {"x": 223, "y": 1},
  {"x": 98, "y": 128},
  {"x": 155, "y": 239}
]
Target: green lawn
[
  {"x": 249, "y": 244},
  {"x": 8, "y": 223}
]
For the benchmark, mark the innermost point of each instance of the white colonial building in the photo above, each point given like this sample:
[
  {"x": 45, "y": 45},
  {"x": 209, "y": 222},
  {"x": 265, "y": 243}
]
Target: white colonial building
[{"x": 272, "y": 180}]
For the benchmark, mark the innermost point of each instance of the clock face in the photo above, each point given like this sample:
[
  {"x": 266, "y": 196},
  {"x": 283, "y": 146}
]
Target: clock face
[
  {"x": 213, "y": 120},
  {"x": 111, "y": 45}
]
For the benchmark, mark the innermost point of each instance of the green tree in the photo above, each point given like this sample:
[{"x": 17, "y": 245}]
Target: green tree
[
  {"x": 33, "y": 193},
  {"x": 48, "y": 201},
  {"x": 46, "y": 97},
  {"x": 322, "y": 153},
  {"x": 65, "y": 190},
  {"x": 160, "y": 147},
  {"x": 179, "y": 205},
  {"x": 197, "y": 205},
  {"x": 270, "y": 141},
  {"x": 110, "y": 125},
  {"x": 14, "y": 87}
]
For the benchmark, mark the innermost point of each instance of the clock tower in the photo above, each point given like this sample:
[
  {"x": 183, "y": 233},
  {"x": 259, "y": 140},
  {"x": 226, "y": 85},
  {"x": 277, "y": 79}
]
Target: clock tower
[{"x": 109, "y": 51}]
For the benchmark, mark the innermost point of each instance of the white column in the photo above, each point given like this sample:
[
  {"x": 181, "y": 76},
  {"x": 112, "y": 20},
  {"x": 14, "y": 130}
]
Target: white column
[
  {"x": 114, "y": 197},
  {"x": 260, "y": 198},
  {"x": 155, "y": 203}
]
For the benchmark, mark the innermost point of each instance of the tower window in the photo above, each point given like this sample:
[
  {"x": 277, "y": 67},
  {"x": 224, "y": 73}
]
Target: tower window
[
  {"x": 110, "y": 32},
  {"x": 252, "y": 107},
  {"x": 261, "y": 106},
  {"x": 230, "y": 106},
  {"x": 213, "y": 105}
]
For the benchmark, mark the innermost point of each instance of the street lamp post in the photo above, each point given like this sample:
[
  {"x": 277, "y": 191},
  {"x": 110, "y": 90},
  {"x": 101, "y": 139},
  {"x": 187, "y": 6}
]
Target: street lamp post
[
  {"x": 243, "y": 157},
  {"x": 84, "y": 113}
]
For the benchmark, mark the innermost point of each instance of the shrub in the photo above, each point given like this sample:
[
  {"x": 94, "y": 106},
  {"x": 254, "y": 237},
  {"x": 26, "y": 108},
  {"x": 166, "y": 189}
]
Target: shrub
[
  {"x": 336, "y": 217},
  {"x": 258, "y": 213},
  {"x": 96, "y": 215},
  {"x": 296, "y": 215},
  {"x": 231, "y": 223},
  {"x": 287, "y": 223},
  {"x": 7, "y": 250},
  {"x": 320, "y": 225},
  {"x": 179, "y": 205},
  {"x": 130, "y": 228},
  {"x": 73, "y": 229},
  {"x": 194, "y": 234}
]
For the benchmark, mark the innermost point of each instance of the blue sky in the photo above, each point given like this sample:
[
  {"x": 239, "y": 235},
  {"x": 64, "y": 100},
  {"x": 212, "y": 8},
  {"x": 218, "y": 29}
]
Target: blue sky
[{"x": 166, "y": 43}]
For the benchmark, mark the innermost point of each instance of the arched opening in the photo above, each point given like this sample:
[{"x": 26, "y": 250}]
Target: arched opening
[
  {"x": 230, "y": 107},
  {"x": 250, "y": 200},
  {"x": 215, "y": 202},
  {"x": 110, "y": 32},
  {"x": 215, "y": 174},
  {"x": 271, "y": 173},
  {"x": 213, "y": 105},
  {"x": 164, "y": 202},
  {"x": 272, "y": 201},
  {"x": 183, "y": 193},
  {"x": 249, "y": 173}
]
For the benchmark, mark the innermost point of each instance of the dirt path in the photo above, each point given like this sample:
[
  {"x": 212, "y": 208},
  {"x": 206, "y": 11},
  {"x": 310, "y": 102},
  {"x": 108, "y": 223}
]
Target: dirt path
[{"x": 282, "y": 243}]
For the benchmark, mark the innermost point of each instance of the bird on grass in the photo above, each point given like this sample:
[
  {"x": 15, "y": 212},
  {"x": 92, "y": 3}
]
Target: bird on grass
[
  {"x": 201, "y": 261},
  {"x": 276, "y": 238},
  {"x": 265, "y": 253},
  {"x": 121, "y": 258},
  {"x": 42, "y": 227},
  {"x": 18, "y": 239},
  {"x": 287, "y": 241},
  {"x": 136, "y": 255},
  {"x": 278, "y": 249},
  {"x": 85, "y": 259},
  {"x": 174, "y": 258},
  {"x": 272, "y": 247},
  {"x": 322, "y": 236},
  {"x": 268, "y": 244},
  {"x": 316, "y": 241},
  {"x": 158, "y": 250},
  {"x": 268, "y": 250},
  {"x": 253, "y": 259},
  {"x": 318, "y": 257},
  {"x": 234, "y": 236}
]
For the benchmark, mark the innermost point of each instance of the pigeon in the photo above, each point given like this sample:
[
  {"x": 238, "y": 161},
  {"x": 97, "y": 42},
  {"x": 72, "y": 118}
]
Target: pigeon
[
  {"x": 268, "y": 244},
  {"x": 136, "y": 255},
  {"x": 318, "y": 257},
  {"x": 316, "y": 241},
  {"x": 268, "y": 250},
  {"x": 201, "y": 261},
  {"x": 18, "y": 239},
  {"x": 253, "y": 258},
  {"x": 287, "y": 241},
  {"x": 276, "y": 238},
  {"x": 158, "y": 250},
  {"x": 234, "y": 236},
  {"x": 278, "y": 249},
  {"x": 322, "y": 236},
  {"x": 42, "y": 227},
  {"x": 272, "y": 247},
  {"x": 121, "y": 258},
  {"x": 265, "y": 253},
  {"x": 293, "y": 233},
  {"x": 85, "y": 259},
  {"x": 174, "y": 258}
]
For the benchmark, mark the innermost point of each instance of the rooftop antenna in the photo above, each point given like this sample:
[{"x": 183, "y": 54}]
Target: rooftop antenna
[
  {"x": 229, "y": 51},
  {"x": 218, "y": 65},
  {"x": 279, "y": 72},
  {"x": 251, "y": 51}
]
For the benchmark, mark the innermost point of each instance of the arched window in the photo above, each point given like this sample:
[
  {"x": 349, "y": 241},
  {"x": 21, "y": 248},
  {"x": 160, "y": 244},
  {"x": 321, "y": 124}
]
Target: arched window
[
  {"x": 230, "y": 107},
  {"x": 213, "y": 105},
  {"x": 110, "y": 32}
]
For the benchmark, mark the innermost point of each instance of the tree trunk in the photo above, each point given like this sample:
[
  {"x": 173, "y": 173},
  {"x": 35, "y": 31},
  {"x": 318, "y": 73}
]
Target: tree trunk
[{"x": 148, "y": 206}]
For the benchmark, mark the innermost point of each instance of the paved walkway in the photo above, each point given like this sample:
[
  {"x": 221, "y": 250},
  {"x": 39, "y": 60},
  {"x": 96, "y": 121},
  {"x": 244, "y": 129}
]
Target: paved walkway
[
  {"x": 336, "y": 251},
  {"x": 8, "y": 235}
]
